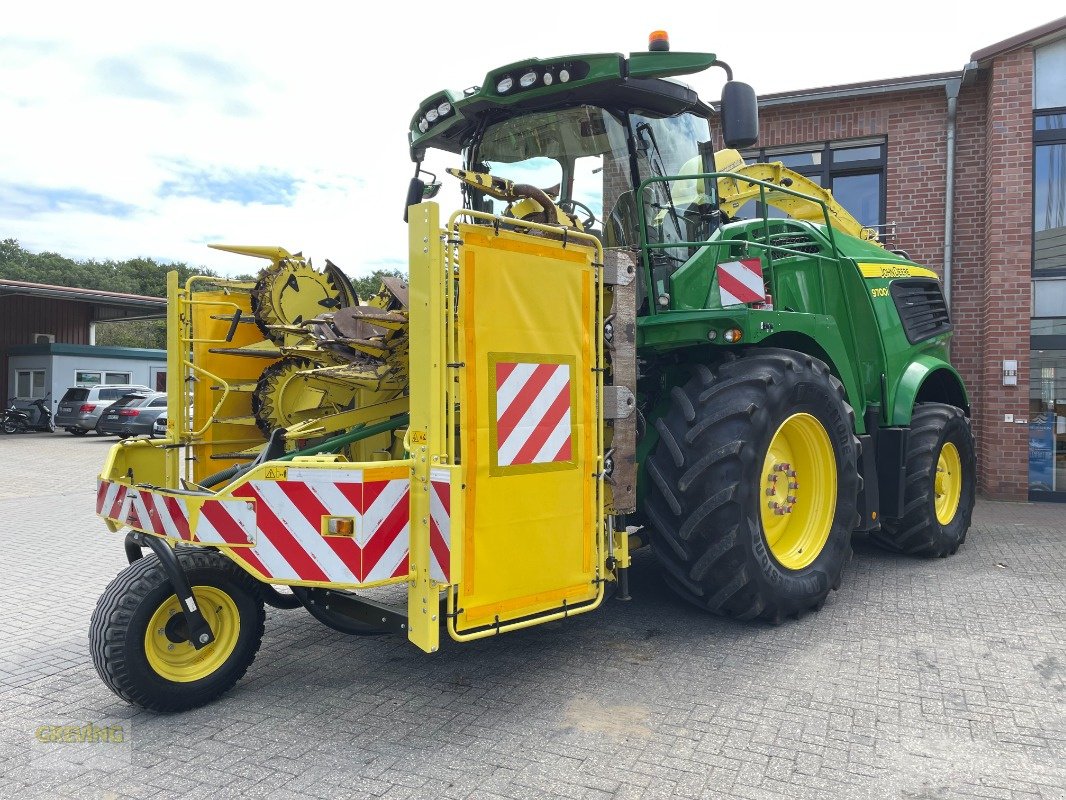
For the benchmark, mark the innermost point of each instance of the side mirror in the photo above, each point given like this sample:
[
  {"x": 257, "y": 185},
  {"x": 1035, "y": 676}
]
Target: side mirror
[
  {"x": 739, "y": 112},
  {"x": 431, "y": 190},
  {"x": 415, "y": 192}
]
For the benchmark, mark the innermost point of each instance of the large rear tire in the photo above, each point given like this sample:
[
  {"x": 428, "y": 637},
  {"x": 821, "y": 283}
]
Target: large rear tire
[
  {"x": 753, "y": 486},
  {"x": 940, "y": 488},
  {"x": 139, "y": 641}
]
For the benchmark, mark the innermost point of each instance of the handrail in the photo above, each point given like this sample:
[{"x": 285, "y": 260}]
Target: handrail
[{"x": 646, "y": 247}]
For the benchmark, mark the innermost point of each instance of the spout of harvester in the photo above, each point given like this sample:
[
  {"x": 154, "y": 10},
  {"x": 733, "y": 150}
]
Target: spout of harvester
[{"x": 258, "y": 251}]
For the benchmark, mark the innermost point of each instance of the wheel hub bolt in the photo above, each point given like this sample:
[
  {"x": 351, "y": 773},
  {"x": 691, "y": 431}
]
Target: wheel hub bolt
[
  {"x": 784, "y": 467},
  {"x": 771, "y": 492},
  {"x": 794, "y": 485},
  {"x": 204, "y": 638}
]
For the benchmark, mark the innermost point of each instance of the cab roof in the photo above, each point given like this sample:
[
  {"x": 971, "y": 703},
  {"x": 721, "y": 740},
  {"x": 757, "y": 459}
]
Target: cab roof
[{"x": 610, "y": 80}]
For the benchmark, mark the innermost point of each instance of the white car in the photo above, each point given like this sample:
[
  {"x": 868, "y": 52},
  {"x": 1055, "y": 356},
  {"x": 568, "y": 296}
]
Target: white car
[{"x": 159, "y": 427}]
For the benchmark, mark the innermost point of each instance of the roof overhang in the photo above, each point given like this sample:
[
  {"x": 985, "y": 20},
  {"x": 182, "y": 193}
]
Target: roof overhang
[
  {"x": 938, "y": 80},
  {"x": 1030, "y": 38},
  {"x": 106, "y": 305}
]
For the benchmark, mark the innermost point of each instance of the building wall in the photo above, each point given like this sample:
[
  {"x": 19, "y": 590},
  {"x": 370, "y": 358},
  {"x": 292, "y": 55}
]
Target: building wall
[
  {"x": 967, "y": 291},
  {"x": 60, "y": 370},
  {"x": 1006, "y": 299},
  {"x": 21, "y": 317}
]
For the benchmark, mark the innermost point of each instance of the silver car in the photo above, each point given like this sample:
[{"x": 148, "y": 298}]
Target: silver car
[
  {"x": 133, "y": 414},
  {"x": 81, "y": 406}
]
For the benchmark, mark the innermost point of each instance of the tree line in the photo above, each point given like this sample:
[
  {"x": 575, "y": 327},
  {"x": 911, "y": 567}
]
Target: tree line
[{"x": 143, "y": 276}]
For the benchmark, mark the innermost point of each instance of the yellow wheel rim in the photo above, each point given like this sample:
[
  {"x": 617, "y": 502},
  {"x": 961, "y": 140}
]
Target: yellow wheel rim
[
  {"x": 947, "y": 485},
  {"x": 798, "y": 491},
  {"x": 178, "y": 660}
]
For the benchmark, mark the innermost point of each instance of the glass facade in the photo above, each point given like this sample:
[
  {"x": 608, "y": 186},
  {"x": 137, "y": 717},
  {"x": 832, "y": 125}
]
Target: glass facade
[
  {"x": 1047, "y": 422},
  {"x": 1047, "y": 357}
]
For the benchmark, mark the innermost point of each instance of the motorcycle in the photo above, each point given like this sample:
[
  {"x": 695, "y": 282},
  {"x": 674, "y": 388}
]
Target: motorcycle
[{"x": 17, "y": 419}]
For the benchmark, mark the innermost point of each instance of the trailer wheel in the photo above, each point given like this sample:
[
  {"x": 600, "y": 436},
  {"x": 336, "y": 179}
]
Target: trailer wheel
[
  {"x": 753, "y": 486},
  {"x": 940, "y": 485},
  {"x": 138, "y": 640}
]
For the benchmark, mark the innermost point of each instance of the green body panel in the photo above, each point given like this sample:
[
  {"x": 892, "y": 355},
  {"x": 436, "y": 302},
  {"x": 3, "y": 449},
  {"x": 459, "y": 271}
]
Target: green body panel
[
  {"x": 823, "y": 305},
  {"x": 905, "y": 390}
]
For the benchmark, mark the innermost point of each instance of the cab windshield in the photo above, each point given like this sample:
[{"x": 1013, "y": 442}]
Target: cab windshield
[
  {"x": 581, "y": 158},
  {"x": 578, "y": 156}
]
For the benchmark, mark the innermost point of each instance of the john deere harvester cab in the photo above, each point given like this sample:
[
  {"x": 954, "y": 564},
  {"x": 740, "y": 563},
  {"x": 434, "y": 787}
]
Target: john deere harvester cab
[{"x": 605, "y": 348}]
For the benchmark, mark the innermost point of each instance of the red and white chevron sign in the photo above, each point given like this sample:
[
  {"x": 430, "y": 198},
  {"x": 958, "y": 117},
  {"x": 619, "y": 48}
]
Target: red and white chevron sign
[
  {"x": 220, "y": 522},
  {"x": 532, "y": 413},
  {"x": 285, "y": 520},
  {"x": 741, "y": 282}
]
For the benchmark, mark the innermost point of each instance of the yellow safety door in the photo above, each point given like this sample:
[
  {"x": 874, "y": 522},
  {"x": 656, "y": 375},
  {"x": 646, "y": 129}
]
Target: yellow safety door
[{"x": 530, "y": 435}]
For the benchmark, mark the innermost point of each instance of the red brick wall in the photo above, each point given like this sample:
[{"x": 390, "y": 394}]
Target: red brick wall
[
  {"x": 1007, "y": 274},
  {"x": 967, "y": 283}
]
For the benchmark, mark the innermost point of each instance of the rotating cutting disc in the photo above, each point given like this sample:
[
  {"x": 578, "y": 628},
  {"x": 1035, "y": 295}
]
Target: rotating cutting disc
[
  {"x": 287, "y": 393},
  {"x": 291, "y": 292}
]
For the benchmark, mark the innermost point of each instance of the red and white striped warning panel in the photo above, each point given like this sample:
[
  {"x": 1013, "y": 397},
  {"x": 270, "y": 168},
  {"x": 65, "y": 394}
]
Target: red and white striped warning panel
[
  {"x": 220, "y": 521},
  {"x": 440, "y": 525},
  {"x": 288, "y": 521},
  {"x": 741, "y": 282},
  {"x": 533, "y": 409}
]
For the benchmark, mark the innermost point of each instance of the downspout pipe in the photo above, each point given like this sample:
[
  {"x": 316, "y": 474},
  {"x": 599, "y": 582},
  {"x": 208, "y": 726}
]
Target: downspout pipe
[{"x": 952, "y": 90}]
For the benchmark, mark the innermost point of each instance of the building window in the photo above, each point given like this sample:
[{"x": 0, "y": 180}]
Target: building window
[
  {"x": 1049, "y": 78},
  {"x": 853, "y": 170},
  {"x": 29, "y": 384},
  {"x": 1047, "y": 422},
  {"x": 93, "y": 378},
  {"x": 1049, "y": 194},
  {"x": 1047, "y": 356}
]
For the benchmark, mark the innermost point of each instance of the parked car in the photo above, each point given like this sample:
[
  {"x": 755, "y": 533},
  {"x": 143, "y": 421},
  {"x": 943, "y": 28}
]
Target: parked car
[
  {"x": 82, "y": 406},
  {"x": 159, "y": 427},
  {"x": 133, "y": 414}
]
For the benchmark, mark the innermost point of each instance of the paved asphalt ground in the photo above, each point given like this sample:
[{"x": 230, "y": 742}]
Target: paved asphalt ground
[{"x": 918, "y": 679}]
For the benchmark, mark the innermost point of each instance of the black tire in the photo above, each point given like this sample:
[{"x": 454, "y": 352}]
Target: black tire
[
  {"x": 77, "y": 431},
  {"x": 919, "y": 531},
  {"x": 122, "y": 615},
  {"x": 705, "y": 490},
  {"x": 8, "y": 426}
]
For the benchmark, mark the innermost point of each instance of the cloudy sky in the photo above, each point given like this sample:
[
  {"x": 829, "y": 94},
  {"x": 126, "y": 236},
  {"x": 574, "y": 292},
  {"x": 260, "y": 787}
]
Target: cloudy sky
[{"x": 151, "y": 129}]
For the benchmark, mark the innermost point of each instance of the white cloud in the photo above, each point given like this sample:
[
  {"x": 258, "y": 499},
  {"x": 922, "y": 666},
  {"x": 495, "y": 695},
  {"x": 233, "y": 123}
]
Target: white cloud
[{"x": 120, "y": 99}]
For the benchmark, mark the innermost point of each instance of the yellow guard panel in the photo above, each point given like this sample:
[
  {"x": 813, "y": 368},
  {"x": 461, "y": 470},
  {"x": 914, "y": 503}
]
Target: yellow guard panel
[{"x": 528, "y": 424}]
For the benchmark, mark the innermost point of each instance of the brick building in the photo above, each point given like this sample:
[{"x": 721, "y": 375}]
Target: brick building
[{"x": 885, "y": 149}]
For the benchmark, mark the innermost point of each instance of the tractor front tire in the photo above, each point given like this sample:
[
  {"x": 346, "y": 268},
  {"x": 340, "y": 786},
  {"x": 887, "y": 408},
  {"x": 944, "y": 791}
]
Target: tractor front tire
[
  {"x": 753, "y": 486},
  {"x": 139, "y": 641},
  {"x": 940, "y": 485}
]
